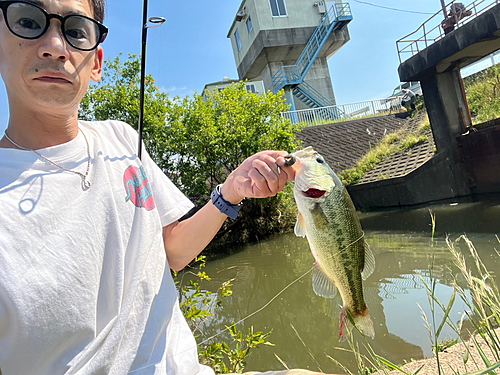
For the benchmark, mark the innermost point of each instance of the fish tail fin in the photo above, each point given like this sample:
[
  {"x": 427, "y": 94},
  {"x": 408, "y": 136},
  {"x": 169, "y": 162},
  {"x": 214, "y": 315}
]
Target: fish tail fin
[{"x": 362, "y": 321}]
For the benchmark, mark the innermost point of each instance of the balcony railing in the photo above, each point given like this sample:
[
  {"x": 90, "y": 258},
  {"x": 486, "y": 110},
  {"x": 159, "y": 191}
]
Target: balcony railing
[
  {"x": 344, "y": 112},
  {"x": 432, "y": 30}
]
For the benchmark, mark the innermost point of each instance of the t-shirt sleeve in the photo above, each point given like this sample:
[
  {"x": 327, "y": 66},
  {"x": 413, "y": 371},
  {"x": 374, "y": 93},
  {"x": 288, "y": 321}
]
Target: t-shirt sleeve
[{"x": 170, "y": 202}]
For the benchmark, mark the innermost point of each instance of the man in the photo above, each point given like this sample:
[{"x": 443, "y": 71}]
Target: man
[
  {"x": 408, "y": 99},
  {"x": 456, "y": 14},
  {"x": 88, "y": 231}
]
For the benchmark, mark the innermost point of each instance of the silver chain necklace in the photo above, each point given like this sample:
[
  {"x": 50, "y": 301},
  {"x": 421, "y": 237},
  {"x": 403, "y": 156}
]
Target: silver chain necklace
[{"x": 85, "y": 182}]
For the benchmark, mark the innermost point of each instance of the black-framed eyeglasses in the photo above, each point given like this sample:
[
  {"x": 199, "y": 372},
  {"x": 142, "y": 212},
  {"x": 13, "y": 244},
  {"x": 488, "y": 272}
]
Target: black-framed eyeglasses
[{"x": 29, "y": 21}]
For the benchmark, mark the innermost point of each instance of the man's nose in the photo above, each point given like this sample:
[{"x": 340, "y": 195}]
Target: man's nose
[{"x": 53, "y": 45}]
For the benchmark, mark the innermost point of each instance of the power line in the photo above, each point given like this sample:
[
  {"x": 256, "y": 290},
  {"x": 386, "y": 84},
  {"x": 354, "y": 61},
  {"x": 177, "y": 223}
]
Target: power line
[{"x": 399, "y": 10}]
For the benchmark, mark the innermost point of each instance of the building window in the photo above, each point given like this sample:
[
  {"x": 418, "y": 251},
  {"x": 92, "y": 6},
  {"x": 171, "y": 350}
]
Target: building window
[
  {"x": 237, "y": 38},
  {"x": 278, "y": 8},
  {"x": 251, "y": 88},
  {"x": 249, "y": 24}
]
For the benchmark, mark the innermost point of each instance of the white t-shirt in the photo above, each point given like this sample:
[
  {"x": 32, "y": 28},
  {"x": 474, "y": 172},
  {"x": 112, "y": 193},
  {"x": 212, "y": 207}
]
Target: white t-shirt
[{"x": 85, "y": 286}]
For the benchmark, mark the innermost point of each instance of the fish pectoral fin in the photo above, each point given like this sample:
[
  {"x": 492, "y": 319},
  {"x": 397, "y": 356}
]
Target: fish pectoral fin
[
  {"x": 300, "y": 227},
  {"x": 369, "y": 262},
  {"x": 322, "y": 285}
]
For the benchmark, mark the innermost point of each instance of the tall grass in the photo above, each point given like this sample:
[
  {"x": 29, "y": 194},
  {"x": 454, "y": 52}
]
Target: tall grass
[
  {"x": 483, "y": 94},
  {"x": 481, "y": 344}
]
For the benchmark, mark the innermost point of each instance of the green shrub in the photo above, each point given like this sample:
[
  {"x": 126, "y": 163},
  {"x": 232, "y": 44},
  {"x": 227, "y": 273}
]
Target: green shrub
[
  {"x": 483, "y": 94},
  {"x": 198, "y": 305}
]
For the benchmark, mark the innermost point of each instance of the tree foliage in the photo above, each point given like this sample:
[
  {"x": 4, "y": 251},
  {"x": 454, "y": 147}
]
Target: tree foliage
[
  {"x": 116, "y": 97},
  {"x": 209, "y": 136},
  {"x": 197, "y": 141}
]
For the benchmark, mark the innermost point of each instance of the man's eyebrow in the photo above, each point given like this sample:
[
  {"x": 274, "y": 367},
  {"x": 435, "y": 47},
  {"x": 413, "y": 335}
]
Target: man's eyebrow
[{"x": 42, "y": 5}]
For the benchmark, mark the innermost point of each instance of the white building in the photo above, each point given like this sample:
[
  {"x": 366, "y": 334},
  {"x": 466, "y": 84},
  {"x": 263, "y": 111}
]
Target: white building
[
  {"x": 286, "y": 44},
  {"x": 255, "y": 87}
]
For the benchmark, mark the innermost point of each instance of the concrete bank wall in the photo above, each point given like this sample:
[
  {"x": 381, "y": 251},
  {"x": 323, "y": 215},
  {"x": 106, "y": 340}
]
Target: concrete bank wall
[
  {"x": 441, "y": 177},
  {"x": 432, "y": 181},
  {"x": 480, "y": 152}
]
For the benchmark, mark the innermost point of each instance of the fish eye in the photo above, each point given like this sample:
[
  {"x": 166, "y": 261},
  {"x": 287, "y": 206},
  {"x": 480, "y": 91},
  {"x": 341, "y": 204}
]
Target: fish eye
[{"x": 320, "y": 160}]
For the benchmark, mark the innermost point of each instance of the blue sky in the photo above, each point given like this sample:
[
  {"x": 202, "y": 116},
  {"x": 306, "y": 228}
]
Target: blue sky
[{"x": 191, "y": 48}]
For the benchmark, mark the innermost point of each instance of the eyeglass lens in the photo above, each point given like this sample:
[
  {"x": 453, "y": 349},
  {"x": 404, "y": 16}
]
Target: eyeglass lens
[{"x": 28, "y": 21}]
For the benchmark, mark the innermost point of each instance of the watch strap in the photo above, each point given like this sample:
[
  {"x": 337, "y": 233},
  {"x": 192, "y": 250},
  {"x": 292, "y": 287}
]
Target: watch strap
[{"x": 231, "y": 210}]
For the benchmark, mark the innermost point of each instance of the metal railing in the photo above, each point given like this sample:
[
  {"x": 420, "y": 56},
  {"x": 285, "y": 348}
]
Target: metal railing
[
  {"x": 344, "y": 112},
  {"x": 431, "y": 30}
]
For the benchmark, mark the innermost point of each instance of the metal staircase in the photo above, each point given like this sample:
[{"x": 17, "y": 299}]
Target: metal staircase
[
  {"x": 338, "y": 16},
  {"x": 310, "y": 96},
  {"x": 314, "y": 99}
]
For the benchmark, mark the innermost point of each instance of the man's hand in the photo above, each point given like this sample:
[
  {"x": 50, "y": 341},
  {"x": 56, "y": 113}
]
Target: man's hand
[{"x": 261, "y": 175}]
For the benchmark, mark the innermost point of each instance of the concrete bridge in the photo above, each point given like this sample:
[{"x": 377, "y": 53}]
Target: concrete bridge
[{"x": 467, "y": 159}]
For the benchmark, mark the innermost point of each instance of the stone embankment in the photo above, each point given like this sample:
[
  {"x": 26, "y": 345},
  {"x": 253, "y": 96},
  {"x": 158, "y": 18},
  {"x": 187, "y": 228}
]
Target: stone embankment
[{"x": 342, "y": 144}]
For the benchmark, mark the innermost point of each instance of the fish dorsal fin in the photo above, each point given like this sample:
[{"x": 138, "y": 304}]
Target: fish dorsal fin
[
  {"x": 322, "y": 285},
  {"x": 369, "y": 262},
  {"x": 300, "y": 228}
]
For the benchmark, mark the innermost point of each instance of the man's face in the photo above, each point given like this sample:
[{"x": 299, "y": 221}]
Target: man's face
[{"x": 47, "y": 74}]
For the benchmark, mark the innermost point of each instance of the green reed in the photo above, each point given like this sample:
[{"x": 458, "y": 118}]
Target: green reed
[{"x": 483, "y": 312}]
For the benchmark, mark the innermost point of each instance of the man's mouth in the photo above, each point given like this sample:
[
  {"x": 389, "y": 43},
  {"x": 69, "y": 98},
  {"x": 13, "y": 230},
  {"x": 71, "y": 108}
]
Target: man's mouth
[
  {"x": 314, "y": 193},
  {"x": 53, "y": 78}
]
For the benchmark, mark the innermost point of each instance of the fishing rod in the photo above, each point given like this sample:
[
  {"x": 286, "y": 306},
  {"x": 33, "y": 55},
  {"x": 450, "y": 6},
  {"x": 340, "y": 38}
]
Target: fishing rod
[{"x": 155, "y": 22}]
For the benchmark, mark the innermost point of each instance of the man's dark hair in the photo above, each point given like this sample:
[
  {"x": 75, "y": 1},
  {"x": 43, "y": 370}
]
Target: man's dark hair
[{"x": 98, "y": 9}]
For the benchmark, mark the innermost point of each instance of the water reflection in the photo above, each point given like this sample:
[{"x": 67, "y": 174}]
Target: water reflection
[{"x": 392, "y": 292}]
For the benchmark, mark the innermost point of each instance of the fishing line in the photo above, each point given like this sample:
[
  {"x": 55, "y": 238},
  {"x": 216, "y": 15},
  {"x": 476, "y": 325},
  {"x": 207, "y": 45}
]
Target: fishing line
[
  {"x": 250, "y": 315},
  {"x": 348, "y": 246},
  {"x": 254, "y": 313},
  {"x": 352, "y": 243},
  {"x": 232, "y": 325},
  {"x": 259, "y": 310}
]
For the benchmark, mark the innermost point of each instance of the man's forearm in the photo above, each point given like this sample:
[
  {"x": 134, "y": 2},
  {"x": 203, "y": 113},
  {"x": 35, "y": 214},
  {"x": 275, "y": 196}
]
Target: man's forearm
[
  {"x": 259, "y": 176},
  {"x": 186, "y": 239}
]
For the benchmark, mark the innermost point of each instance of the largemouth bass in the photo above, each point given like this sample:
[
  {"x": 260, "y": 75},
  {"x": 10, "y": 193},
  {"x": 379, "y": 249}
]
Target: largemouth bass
[{"x": 328, "y": 219}]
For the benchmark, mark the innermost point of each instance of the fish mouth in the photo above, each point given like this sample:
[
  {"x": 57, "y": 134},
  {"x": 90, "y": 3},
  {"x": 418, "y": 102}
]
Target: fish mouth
[{"x": 314, "y": 193}]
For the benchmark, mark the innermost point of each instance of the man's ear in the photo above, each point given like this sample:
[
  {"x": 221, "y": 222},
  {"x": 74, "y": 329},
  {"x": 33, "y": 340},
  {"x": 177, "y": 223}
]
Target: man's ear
[{"x": 95, "y": 74}]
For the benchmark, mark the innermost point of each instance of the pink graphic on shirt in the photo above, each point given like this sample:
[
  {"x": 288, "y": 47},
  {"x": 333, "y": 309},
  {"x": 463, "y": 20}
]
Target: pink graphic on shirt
[{"x": 137, "y": 188}]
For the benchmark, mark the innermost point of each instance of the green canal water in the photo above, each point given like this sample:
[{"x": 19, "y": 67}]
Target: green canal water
[{"x": 305, "y": 326}]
